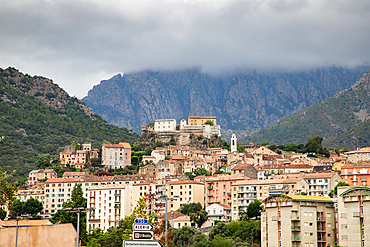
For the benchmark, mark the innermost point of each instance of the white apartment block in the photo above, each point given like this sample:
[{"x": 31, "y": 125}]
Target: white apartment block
[
  {"x": 165, "y": 125},
  {"x": 110, "y": 203},
  {"x": 115, "y": 156},
  {"x": 59, "y": 190}
]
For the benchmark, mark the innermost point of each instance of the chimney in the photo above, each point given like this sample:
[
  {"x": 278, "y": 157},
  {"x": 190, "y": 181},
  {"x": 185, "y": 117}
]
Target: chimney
[{"x": 301, "y": 173}]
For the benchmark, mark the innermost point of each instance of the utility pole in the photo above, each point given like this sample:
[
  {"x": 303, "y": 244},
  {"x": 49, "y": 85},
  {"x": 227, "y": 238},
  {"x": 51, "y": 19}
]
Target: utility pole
[{"x": 78, "y": 211}]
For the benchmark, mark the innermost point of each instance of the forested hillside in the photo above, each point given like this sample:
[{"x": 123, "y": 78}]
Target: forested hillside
[{"x": 38, "y": 117}]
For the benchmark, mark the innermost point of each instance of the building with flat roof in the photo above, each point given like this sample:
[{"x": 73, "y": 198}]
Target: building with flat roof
[{"x": 297, "y": 220}]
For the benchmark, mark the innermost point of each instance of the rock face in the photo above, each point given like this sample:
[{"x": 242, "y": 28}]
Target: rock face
[
  {"x": 243, "y": 100},
  {"x": 343, "y": 120}
]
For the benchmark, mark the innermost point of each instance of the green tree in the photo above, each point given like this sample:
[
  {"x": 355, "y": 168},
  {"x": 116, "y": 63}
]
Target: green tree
[
  {"x": 199, "y": 218},
  {"x": 201, "y": 171},
  {"x": 240, "y": 148},
  {"x": 7, "y": 190},
  {"x": 209, "y": 122},
  {"x": 43, "y": 161},
  {"x": 254, "y": 209},
  {"x": 33, "y": 206},
  {"x": 333, "y": 192},
  {"x": 314, "y": 144},
  {"x": 77, "y": 201},
  {"x": 16, "y": 209},
  {"x": 189, "y": 208},
  {"x": 184, "y": 236},
  {"x": 3, "y": 214}
]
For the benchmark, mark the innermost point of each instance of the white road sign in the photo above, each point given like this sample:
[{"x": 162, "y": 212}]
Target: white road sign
[
  {"x": 142, "y": 227},
  {"x": 141, "y": 243}
]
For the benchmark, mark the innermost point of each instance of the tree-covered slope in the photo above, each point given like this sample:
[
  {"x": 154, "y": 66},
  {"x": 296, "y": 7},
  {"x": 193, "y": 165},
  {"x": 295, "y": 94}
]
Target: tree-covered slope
[
  {"x": 342, "y": 120},
  {"x": 37, "y": 117}
]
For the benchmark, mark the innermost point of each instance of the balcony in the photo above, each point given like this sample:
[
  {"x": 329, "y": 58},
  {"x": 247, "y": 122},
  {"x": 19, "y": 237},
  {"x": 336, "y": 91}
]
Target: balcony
[
  {"x": 296, "y": 228},
  {"x": 94, "y": 220},
  {"x": 294, "y": 218},
  {"x": 295, "y": 238},
  {"x": 321, "y": 229},
  {"x": 210, "y": 187},
  {"x": 210, "y": 195},
  {"x": 321, "y": 239},
  {"x": 320, "y": 219}
]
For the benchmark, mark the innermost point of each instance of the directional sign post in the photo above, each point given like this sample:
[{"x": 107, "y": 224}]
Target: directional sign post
[
  {"x": 142, "y": 235},
  {"x": 133, "y": 243},
  {"x": 142, "y": 227},
  {"x": 141, "y": 221}
]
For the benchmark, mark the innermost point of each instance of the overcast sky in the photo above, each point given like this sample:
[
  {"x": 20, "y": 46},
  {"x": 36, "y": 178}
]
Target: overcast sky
[{"x": 78, "y": 43}]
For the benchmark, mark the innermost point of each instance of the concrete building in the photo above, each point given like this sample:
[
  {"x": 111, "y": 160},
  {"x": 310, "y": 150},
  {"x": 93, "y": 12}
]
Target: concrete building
[
  {"x": 356, "y": 173},
  {"x": 115, "y": 156},
  {"x": 361, "y": 155},
  {"x": 36, "y": 176},
  {"x": 353, "y": 216},
  {"x": 218, "y": 188},
  {"x": 165, "y": 125},
  {"x": 297, "y": 220},
  {"x": 200, "y": 120},
  {"x": 111, "y": 203},
  {"x": 220, "y": 212}
]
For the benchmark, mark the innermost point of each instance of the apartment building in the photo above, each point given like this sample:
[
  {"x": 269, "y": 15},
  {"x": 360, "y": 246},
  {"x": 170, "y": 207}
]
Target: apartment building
[
  {"x": 361, "y": 155},
  {"x": 115, "y": 156},
  {"x": 148, "y": 169},
  {"x": 37, "y": 176},
  {"x": 321, "y": 183},
  {"x": 167, "y": 167},
  {"x": 219, "y": 212},
  {"x": 246, "y": 191},
  {"x": 200, "y": 120},
  {"x": 165, "y": 125},
  {"x": 218, "y": 188},
  {"x": 71, "y": 159},
  {"x": 59, "y": 190},
  {"x": 35, "y": 191},
  {"x": 298, "y": 220},
  {"x": 356, "y": 173},
  {"x": 111, "y": 204},
  {"x": 353, "y": 216},
  {"x": 185, "y": 192}
]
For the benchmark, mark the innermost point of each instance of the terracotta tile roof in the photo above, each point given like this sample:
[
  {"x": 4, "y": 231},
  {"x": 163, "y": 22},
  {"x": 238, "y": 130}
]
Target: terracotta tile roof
[
  {"x": 120, "y": 145},
  {"x": 356, "y": 165},
  {"x": 178, "y": 157},
  {"x": 184, "y": 182},
  {"x": 171, "y": 215},
  {"x": 240, "y": 167}
]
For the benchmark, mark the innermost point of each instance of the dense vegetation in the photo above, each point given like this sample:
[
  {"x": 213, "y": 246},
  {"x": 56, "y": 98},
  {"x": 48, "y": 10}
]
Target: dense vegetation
[
  {"x": 34, "y": 122},
  {"x": 343, "y": 117}
]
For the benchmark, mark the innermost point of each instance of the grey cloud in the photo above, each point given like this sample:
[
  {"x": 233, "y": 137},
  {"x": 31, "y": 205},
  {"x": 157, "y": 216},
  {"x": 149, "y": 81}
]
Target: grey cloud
[{"x": 78, "y": 43}]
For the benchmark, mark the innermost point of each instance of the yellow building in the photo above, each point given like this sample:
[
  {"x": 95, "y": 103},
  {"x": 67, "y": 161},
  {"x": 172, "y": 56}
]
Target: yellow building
[{"x": 200, "y": 120}]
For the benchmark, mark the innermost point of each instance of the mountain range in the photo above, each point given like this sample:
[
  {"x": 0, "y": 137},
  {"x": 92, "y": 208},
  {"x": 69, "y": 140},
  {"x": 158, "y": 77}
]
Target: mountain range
[
  {"x": 343, "y": 120},
  {"x": 38, "y": 117},
  {"x": 243, "y": 101}
]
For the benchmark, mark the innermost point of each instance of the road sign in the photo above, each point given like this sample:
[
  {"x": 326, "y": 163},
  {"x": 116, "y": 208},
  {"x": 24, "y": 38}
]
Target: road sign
[
  {"x": 141, "y": 221},
  {"x": 142, "y": 227},
  {"x": 133, "y": 243},
  {"x": 148, "y": 235}
]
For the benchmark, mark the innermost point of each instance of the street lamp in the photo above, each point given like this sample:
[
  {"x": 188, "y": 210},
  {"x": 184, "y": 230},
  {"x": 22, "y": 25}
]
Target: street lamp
[{"x": 78, "y": 211}]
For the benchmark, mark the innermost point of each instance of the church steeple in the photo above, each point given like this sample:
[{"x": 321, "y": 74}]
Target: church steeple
[{"x": 233, "y": 145}]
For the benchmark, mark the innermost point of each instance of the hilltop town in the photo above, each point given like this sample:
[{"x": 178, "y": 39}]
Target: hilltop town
[{"x": 190, "y": 164}]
